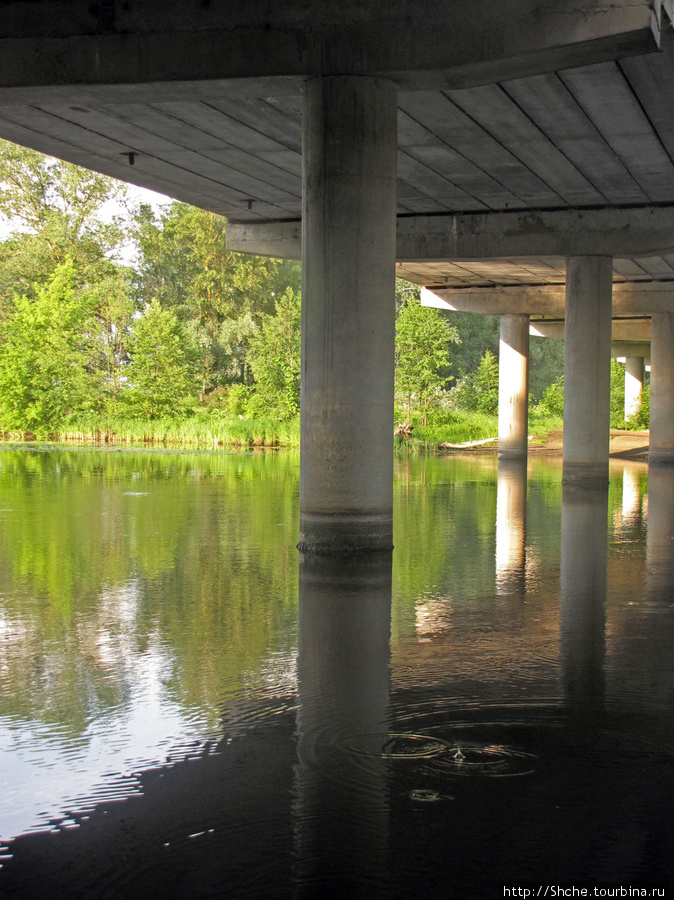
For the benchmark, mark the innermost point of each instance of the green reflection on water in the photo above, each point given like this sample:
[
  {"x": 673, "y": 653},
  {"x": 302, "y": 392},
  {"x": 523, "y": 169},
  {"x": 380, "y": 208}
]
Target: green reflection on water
[{"x": 105, "y": 554}]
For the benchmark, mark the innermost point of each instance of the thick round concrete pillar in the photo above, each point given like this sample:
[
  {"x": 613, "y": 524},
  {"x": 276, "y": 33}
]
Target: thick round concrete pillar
[
  {"x": 587, "y": 370},
  {"x": 662, "y": 389},
  {"x": 513, "y": 387},
  {"x": 634, "y": 385},
  {"x": 348, "y": 314}
]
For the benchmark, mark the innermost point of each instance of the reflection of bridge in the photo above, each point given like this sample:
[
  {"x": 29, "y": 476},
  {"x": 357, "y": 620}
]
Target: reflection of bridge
[{"x": 534, "y": 149}]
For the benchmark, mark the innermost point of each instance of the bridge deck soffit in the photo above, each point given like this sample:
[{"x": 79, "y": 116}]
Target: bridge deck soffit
[
  {"x": 426, "y": 45},
  {"x": 552, "y": 105}
]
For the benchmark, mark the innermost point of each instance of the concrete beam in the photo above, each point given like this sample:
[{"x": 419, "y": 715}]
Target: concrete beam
[
  {"x": 629, "y": 330},
  {"x": 281, "y": 240},
  {"x": 642, "y": 231},
  {"x": 620, "y": 347},
  {"x": 629, "y": 299},
  {"x": 429, "y": 45},
  {"x": 629, "y": 349}
]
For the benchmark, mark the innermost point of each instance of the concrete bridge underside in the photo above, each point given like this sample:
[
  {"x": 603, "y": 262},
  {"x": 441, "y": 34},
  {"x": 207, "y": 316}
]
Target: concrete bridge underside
[{"x": 494, "y": 156}]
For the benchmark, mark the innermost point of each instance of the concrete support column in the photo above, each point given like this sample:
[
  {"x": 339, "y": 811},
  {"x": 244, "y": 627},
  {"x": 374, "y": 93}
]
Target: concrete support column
[
  {"x": 634, "y": 385},
  {"x": 662, "y": 389},
  {"x": 348, "y": 314},
  {"x": 587, "y": 370},
  {"x": 513, "y": 387}
]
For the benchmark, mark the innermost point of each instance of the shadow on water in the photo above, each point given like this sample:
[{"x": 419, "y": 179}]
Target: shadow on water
[{"x": 491, "y": 738}]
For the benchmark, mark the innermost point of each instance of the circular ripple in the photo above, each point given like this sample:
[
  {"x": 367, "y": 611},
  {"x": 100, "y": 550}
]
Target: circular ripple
[
  {"x": 397, "y": 746},
  {"x": 487, "y": 760}
]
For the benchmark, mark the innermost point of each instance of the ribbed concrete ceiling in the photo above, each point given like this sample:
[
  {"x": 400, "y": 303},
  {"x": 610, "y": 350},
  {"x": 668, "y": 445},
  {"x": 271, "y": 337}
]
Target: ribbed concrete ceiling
[{"x": 593, "y": 137}]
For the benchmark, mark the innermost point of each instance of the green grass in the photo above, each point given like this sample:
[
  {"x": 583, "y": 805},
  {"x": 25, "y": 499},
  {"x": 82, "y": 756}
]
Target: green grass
[
  {"x": 541, "y": 424},
  {"x": 202, "y": 431},
  {"x": 462, "y": 426},
  {"x": 208, "y": 430}
]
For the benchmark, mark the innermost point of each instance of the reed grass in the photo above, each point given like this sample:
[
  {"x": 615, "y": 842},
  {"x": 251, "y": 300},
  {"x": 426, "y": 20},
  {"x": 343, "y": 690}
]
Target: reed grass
[
  {"x": 207, "y": 431},
  {"x": 204, "y": 432}
]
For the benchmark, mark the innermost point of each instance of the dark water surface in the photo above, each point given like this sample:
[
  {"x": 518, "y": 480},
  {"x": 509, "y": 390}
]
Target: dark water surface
[{"x": 190, "y": 710}]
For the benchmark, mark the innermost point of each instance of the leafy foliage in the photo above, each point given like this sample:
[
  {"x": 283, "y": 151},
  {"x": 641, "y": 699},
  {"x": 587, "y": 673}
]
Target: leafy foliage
[
  {"x": 159, "y": 365},
  {"x": 552, "y": 401},
  {"x": 275, "y": 357},
  {"x": 44, "y": 375},
  {"x": 53, "y": 210},
  {"x": 194, "y": 329},
  {"x": 423, "y": 338},
  {"x": 479, "y": 391},
  {"x": 186, "y": 266}
]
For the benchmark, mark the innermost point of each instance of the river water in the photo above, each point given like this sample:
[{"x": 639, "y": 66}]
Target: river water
[{"x": 190, "y": 710}]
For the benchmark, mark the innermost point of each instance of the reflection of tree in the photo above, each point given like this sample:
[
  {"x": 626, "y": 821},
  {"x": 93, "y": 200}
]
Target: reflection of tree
[
  {"x": 444, "y": 518},
  {"x": 104, "y": 554}
]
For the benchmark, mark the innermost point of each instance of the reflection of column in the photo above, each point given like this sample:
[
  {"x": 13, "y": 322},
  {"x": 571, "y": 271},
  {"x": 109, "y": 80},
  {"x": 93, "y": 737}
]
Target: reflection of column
[
  {"x": 341, "y": 810},
  {"x": 660, "y": 535},
  {"x": 511, "y": 504},
  {"x": 631, "y": 509},
  {"x": 583, "y": 596},
  {"x": 513, "y": 386},
  {"x": 587, "y": 369},
  {"x": 662, "y": 389},
  {"x": 634, "y": 385},
  {"x": 348, "y": 313}
]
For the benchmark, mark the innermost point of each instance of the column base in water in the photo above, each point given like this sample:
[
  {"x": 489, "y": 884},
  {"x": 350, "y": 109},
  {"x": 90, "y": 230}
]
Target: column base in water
[
  {"x": 345, "y": 534},
  {"x": 594, "y": 476}
]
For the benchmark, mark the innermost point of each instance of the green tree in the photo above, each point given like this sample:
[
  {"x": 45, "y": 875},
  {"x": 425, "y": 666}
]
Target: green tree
[
  {"x": 53, "y": 212},
  {"x": 186, "y": 265},
  {"x": 44, "y": 373},
  {"x": 479, "y": 390},
  {"x": 275, "y": 358},
  {"x": 423, "y": 337},
  {"x": 552, "y": 401},
  {"x": 159, "y": 370},
  {"x": 114, "y": 310}
]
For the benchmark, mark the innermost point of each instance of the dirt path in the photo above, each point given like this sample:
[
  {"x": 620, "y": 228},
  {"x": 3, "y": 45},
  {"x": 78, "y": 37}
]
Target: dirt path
[{"x": 624, "y": 444}]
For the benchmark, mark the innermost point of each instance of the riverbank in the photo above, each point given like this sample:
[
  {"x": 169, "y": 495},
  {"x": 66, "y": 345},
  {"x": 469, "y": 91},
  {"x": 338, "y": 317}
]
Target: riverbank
[
  {"x": 623, "y": 445},
  {"x": 476, "y": 434}
]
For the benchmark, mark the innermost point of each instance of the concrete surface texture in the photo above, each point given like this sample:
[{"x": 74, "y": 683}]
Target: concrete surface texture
[{"x": 523, "y": 137}]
